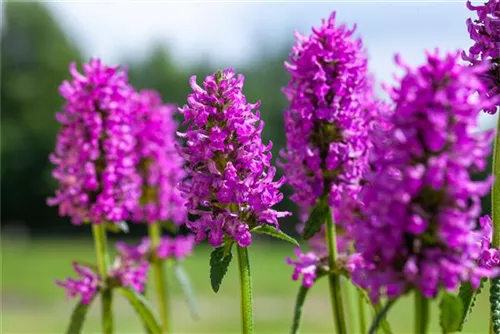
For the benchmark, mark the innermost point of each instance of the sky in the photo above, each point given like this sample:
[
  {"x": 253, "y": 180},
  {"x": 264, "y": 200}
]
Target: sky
[{"x": 233, "y": 33}]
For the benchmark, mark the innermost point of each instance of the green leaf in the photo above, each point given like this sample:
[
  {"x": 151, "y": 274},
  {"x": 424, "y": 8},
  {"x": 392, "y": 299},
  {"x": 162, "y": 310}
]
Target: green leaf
[
  {"x": 299, "y": 303},
  {"x": 220, "y": 258},
  {"x": 271, "y": 230},
  {"x": 142, "y": 308},
  {"x": 118, "y": 227},
  {"x": 468, "y": 297},
  {"x": 78, "y": 317},
  {"x": 451, "y": 311},
  {"x": 317, "y": 218},
  {"x": 187, "y": 289},
  {"x": 376, "y": 308}
]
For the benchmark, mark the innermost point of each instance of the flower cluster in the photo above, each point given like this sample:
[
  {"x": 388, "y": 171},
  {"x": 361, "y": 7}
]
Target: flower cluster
[
  {"x": 94, "y": 155},
  {"x": 420, "y": 212},
  {"x": 231, "y": 187},
  {"x": 485, "y": 32},
  {"x": 86, "y": 286},
  {"x": 326, "y": 122},
  {"x": 129, "y": 273},
  {"x": 490, "y": 257},
  {"x": 169, "y": 248},
  {"x": 160, "y": 166}
]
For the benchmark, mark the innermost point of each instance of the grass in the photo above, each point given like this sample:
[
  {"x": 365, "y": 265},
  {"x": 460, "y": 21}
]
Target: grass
[{"x": 33, "y": 304}]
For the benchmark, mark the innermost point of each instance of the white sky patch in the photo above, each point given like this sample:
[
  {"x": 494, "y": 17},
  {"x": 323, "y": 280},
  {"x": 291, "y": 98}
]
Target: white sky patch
[{"x": 229, "y": 34}]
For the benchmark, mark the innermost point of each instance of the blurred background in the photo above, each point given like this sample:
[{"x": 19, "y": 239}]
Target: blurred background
[{"x": 162, "y": 44}]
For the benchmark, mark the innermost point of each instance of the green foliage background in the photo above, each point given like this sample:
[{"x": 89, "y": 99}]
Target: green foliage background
[{"x": 36, "y": 53}]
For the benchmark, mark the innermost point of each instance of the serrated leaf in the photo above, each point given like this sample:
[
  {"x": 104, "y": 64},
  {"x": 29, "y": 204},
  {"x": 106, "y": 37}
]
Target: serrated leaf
[
  {"x": 376, "y": 308},
  {"x": 299, "y": 303},
  {"x": 143, "y": 309},
  {"x": 78, "y": 317},
  {"x": 451, "y": 310},
  {"x": 187, "y": 289},
  {"x": 220, "y": 258},
  {"x": 273, "y": 232},
  {"x": 118, "y": 227},
  {"x": 468, "y": 297}
]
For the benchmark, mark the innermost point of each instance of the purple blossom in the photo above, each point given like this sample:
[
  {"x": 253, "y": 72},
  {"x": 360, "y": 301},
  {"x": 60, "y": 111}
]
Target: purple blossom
[
  {"x": 133, "y": 274},
  {"x": 485, "y": 32},
  {"x": 327, "y": 122},
  {"x": 85, "y": 286},
  {"x": 134, "y": 253},
  {"x": 230, "y": 186},
  {"x": 159, "y": 163},
  {"x": 169, "y": 247},
  {"x": 490, "y": 257},
  {"x": 305, "y": 266},
  {"x": 94, "y": 155},
  {"x": 418, "y": 222},
  {"x": 176, "y": 248}
]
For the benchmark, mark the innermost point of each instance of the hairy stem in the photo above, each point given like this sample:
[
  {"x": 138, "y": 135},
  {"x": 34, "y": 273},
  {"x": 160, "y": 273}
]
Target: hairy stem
[
  {"x": 246, "y": 291},
  {"x": 101, "y": 249},
  {"x": 421, "y": 313},
  {"x": 333, "y": 278},
  {"x": 160, "y": 280}
]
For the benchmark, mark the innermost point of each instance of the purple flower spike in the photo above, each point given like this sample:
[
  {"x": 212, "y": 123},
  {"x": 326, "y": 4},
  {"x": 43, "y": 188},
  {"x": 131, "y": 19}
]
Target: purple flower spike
[
  {"x": 485, "y": 32},
  {"x": 327, "y": 122},
  {"x": 86, "y": 286},
  {"x": 420, "y": 213},
  {"x": 159, "y": 163},
  {"x": 95, "y": 151},
  {"x": 230, "y": 185}
]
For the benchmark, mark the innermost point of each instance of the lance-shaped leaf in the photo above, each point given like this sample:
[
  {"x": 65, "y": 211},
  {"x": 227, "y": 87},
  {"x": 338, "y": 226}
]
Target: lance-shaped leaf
[
  {"x": 384, "y": 325},
  {"x": 317, "y": 218},
  {"x": 220, "y": 258},
  {"x": 78, "y": 317},
  {"x": 273, "y": 232},
  {"x": 143, "y": 309},
  {"x": 299, "y": 303},
  {"x": 187, "y": 289},
  {"x": 451, "y": 310},
  {"x": 468, "y": 297}
]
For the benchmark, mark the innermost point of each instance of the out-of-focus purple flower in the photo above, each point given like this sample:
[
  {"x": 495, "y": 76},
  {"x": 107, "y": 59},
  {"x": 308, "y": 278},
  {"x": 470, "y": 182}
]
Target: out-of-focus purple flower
[
  {"x": 418, "y": 221},
  {"x": 490, "y": 257},
  {"x": 134, "y": 253},
  {"x": 160, "y": 165},
  {"x": 85, "y": 286},
  {"x": 95, "y": 154},
  {"x": 327, "y": 123},
  {"x": 230, "y": 185},
  {"x": 306, "y": 265},
  {"x": 485, "y": 32},
  {"x": 176, "y": 248},
  {"x": 133, "y": 274}
]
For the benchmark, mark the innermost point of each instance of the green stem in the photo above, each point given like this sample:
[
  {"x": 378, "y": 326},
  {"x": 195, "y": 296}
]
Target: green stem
[
  {"x": 421, "y": 313},
  {"x": 361, "y": 313},
  {"x": 246, "y": 291},
  {"x": 381, "y": 316},
  {"x": 160, "y": 278},
  {"x": 101, "y": 249},
  {"x": 495, "y": 209},
  {"x": 333, "y": 278}
]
